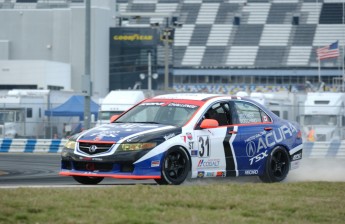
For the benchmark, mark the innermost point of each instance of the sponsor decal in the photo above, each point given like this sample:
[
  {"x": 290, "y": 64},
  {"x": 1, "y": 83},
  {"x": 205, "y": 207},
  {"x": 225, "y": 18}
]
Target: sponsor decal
[
  {"x": 248, "y": 118},
  {"x": 191, "y": 145},
  {"x": 155, "y": 163},
  {"x": 250, "y": 149},
  {"x": 201, "y": 174},
  {"x": 194, "y": 153},
  {"x": 169, "y": 136},
  {"x": 255, "y": 136},
  {"x": 210, "y": 174},
  {"x": 220, "y": 174},
  {"x": 182, "y": 105},
  {"x": 102, "y": 134},
  {"x": 89, "y": 159},
  {"x": 204, "y": 146},
  {"x": 251, "y": 172},
  {"x": 184, "y": 138},
  {"x": 208, "y": 163},
  {"x": 132, "y": 138},
  {"x": 151, "y": 104},
  {"x": 258, "y": 157},
  {"x": 265, "y": 140},
  {"x": 189, "y": 136},
  {"x": 297, "y": 156},
  {"x": 129, "y": 127}
]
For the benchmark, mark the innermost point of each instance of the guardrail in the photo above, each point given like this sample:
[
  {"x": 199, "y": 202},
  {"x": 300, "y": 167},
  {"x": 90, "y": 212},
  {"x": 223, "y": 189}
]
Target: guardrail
[
  {"x": 32, "y": 145},
  {"x": 334, "y": 149}
]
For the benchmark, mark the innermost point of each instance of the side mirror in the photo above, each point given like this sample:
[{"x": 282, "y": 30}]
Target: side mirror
[
  {"x": 209, "y": 123},
  {"x": 114, "y": 117}
]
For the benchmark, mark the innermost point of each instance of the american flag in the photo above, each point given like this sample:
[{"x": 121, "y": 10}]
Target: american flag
[{"x": 331, "y": 51}]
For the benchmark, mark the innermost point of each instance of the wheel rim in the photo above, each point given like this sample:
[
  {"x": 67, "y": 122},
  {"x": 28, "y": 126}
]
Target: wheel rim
[
  {"x": 279, "y": 164},
  {"x": 175, "y": 165}
]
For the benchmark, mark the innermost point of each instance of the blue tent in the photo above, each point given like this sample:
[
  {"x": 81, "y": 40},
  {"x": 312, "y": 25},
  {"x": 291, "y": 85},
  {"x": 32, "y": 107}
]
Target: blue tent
[{"x": 73, "y": 107}]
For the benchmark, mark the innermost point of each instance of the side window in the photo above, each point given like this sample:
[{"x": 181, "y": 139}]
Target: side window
[
  {"x": 219, "y": 112},
  {"x": 265, "y": 117},
  {"x": 249, "y": 113}
]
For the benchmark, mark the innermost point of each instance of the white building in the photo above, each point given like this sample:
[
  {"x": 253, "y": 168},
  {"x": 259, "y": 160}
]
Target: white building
[{"x": 43, "y": 44}]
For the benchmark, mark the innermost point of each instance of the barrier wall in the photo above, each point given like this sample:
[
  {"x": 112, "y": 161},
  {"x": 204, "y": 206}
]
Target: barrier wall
[
  {"x": 32, "y": 145},
  {"x": 335, "y": 149}
]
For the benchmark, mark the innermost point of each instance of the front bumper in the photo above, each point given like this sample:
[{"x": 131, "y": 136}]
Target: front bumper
[{"x": 120, "y": 165}]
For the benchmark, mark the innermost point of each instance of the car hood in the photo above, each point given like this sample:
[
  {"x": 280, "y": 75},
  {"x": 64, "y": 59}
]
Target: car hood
[{"x": 129, "y": 132}]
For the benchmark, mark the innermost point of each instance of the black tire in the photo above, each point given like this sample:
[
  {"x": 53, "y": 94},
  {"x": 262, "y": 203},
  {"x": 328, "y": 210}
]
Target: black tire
[
  {"x": 277, "y": 166},
  {"x": 88, "y": 180},
  {"x": 175, "y": 167}
]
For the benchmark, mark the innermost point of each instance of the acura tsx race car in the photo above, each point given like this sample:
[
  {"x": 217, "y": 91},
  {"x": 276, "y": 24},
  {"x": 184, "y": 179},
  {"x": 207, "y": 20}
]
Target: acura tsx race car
[{"x": 172, "y": 137}]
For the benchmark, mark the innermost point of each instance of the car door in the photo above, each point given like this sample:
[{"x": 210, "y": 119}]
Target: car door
[
  {"x": 254, "y": 143},
  {"x": 212, "y": 148}
]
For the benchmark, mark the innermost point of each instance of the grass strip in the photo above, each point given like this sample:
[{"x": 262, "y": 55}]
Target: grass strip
[{"x": 307, "y": 202}]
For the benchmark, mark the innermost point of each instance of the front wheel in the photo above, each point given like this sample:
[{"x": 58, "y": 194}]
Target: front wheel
[
  {"x": 175, "y": 167},
  {"x": 277, "y": 166},
  {"x": 88, "y": 180}
]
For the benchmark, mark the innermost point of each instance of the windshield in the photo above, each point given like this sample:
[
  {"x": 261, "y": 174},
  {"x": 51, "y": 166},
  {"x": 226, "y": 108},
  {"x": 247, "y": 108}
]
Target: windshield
[
  {"x": 7, "y": 116},
  {"x": 176, "y": 114},
  {"x": 320, "y": 120}
]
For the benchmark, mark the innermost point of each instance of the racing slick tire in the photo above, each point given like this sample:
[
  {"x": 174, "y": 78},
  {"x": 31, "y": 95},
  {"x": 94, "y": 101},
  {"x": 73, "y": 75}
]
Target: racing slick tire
[
  {"x": 88, "y": 180},
  {"x": 277, "y": 166},
  {"x": 175, "y": 167}
]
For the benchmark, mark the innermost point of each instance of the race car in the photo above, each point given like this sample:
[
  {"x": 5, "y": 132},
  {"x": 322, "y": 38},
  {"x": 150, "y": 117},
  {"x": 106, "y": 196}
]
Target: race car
[{"x": 170, "y": 138}]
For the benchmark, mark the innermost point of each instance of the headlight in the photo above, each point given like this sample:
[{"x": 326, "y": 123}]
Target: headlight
[
  {"x": 136, "y": 146},
  {"x": 70, "y": 144}
]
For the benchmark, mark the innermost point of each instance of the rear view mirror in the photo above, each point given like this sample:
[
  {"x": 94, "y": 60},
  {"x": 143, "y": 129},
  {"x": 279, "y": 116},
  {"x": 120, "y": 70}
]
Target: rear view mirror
[
  {"x": 113, "y": 118},
  {"x": 209, "y": 123}
]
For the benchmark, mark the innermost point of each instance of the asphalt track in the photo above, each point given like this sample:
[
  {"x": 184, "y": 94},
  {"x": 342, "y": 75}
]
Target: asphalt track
[{"x": 41, "y": 170}]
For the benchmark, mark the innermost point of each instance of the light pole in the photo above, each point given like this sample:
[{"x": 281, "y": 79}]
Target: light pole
[
  {"x": 167, "y": 37},
  {"x": 86, "y": 81},
  {"x": 149, "y": 72},
  {"x": 166, "y": 34}
]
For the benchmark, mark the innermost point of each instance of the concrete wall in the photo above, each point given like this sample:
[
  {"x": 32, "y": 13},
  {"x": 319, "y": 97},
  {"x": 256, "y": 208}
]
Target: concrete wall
[
  {"x": 4, "y": 49},
  {"x": 35, "y": 72},
  {"x": 59, "y": 35}
]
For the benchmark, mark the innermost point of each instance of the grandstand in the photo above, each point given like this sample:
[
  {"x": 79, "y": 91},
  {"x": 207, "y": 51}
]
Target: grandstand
[
  {"x": 256, "y": 45},
  {"x": 224, "y": 45}
]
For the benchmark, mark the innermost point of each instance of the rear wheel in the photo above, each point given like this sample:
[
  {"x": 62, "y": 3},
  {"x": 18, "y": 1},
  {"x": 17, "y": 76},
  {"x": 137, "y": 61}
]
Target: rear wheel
[
  {"x": 88, "y": 180},
  {"x": 277, "y": 166},
  {"x": 175, "y": 167}
]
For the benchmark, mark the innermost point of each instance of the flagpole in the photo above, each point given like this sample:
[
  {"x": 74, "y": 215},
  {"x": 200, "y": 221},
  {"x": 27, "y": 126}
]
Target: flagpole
[
  {"x": 343, "y": 57},
  {"x": 319, "y": 69},
  {"x": 319, "y": 66}
]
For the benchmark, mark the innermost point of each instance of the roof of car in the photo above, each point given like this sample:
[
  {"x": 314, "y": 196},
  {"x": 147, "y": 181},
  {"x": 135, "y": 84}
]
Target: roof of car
[{"x": 188, "y": 96}]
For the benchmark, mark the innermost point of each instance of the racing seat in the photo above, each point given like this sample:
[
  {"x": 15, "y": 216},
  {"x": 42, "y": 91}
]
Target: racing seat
[{"x": 221, "y": 118}]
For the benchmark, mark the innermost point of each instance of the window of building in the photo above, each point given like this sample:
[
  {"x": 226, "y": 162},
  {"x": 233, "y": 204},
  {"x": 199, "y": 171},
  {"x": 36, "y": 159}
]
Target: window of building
[{"x": 29, "y": 112}]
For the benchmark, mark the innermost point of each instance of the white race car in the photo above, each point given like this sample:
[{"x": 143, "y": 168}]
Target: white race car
[{"x": 171, "y": 137}]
